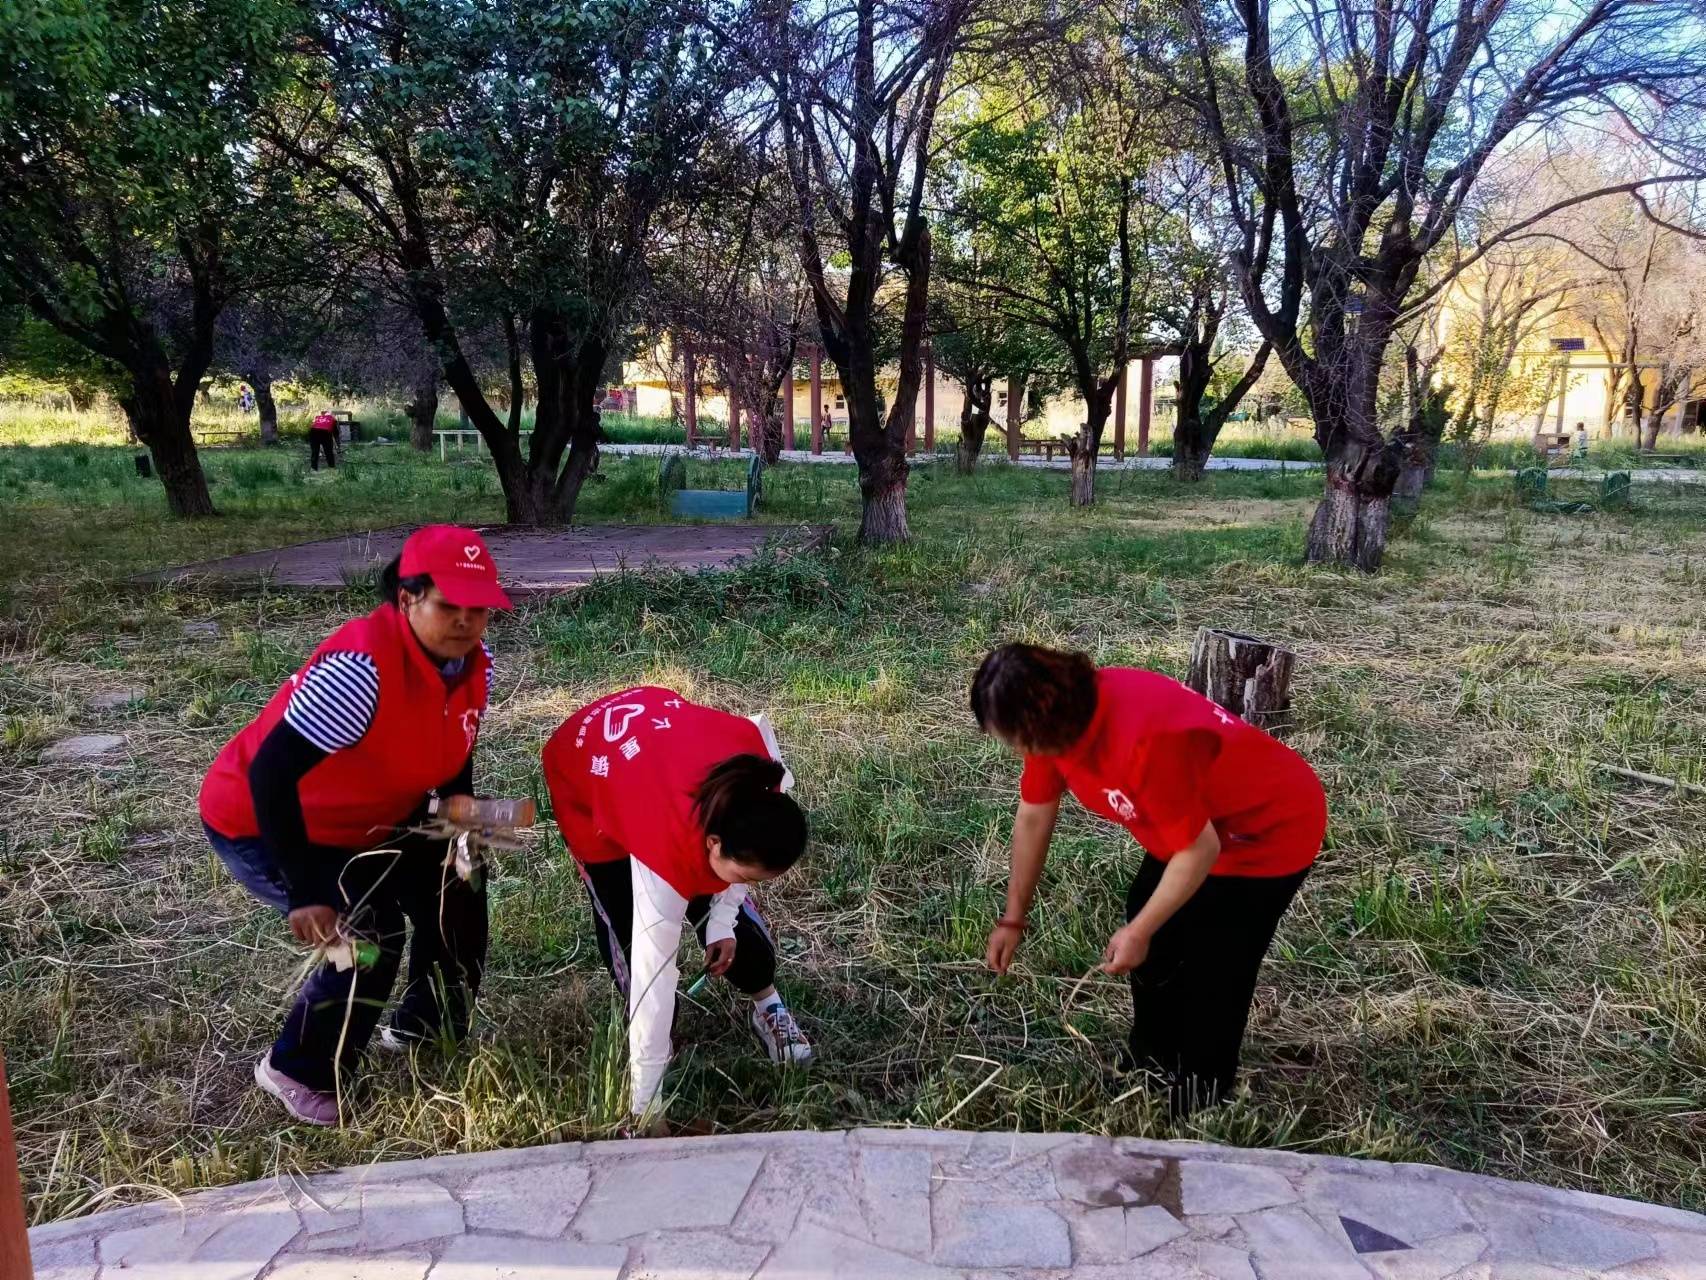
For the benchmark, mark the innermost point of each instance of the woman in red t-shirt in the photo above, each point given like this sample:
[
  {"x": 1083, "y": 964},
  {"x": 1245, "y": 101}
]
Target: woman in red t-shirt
[
  {"x": 672, "y": 809},
  {"x": 1230, "y": 820}
]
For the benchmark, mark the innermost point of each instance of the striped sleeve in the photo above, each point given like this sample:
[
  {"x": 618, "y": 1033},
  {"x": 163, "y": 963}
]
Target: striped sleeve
[
  {"x": 335, "y": 700},
  {"x": 491, "y": 671}
]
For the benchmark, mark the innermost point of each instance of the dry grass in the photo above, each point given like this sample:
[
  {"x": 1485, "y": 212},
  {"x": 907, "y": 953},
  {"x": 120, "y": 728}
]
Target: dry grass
[{"x": 1498, "y": 964}]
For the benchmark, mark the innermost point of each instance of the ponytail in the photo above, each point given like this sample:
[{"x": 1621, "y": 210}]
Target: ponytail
[
  {"x": 392, "y": 581},
  {"x": 739, "y": 803}
]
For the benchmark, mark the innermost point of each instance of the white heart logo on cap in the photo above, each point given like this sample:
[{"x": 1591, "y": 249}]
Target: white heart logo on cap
[{"x": 471, "y": 551}]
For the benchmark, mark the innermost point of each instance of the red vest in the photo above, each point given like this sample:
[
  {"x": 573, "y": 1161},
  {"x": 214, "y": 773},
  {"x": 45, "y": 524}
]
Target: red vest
[
  {"x": 623, "y": 773},
  {"x": 423, "y": 730}
]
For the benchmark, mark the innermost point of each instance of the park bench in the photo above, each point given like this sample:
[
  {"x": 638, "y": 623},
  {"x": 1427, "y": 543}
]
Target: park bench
[
  {"x": 461, "y": 435},
  {"x": 207, "y": 437},
  {"x": 708, "y": 504},
  {"x": 349, "y": 426},
  {"x": 1533, "y": 490}
]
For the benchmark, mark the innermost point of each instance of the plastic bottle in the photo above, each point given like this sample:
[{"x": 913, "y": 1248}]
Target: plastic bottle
[{"x": 467, "y": 811}]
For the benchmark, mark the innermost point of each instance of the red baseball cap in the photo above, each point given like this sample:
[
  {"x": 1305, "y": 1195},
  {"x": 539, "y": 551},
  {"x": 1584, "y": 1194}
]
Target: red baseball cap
[{"x": 460, "y": 564}]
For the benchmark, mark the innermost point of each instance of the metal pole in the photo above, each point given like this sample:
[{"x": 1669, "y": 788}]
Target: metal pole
[
  {"x": 929, "y": 397},
  {"x": 692, "y": 400}
]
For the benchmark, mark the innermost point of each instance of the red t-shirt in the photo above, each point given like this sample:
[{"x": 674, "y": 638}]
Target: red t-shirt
[
  {"x": 324, "y": 422},
  {"x": 1163, "y": 761},
  {"x": 623, "y": 773}
]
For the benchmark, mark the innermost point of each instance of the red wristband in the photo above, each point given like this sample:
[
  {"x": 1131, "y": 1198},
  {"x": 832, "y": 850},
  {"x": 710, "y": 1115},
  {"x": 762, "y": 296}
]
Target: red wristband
[{"x": 1005, "y": 923}]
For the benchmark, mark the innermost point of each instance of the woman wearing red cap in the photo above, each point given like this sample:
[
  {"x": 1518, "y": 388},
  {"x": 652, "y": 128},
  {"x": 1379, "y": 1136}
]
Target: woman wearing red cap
[
  {"x": 1231, "y": 821},
  {"x": 382, "y": 717},
  {"x": 672, "y": 809}
]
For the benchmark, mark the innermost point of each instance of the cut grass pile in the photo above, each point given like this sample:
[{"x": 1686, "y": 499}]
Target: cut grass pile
[{"x": 1497, "y": 965}]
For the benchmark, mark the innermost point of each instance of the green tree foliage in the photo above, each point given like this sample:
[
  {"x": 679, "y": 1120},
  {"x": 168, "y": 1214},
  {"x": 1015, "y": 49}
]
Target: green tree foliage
[
  {"x": 509, "y": 159},
  {"x": 134, "y": 203}
]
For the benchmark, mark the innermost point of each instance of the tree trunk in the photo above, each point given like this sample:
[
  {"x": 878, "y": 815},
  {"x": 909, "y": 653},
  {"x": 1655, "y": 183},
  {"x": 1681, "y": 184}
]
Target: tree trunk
[
  {"x": 1190, "y": 448},
  {"x": 1084, "y": 446},
  {"x": 1249, "y": 677},
  {"x": 157, "y": 419},
  {"x": 883, "y": 488},
  {"x": 974, "y": 425},
  {"x": 422, "y": 411},
  {"x": 266, "y": 406},
  {"x": 1350, "y": 526}
]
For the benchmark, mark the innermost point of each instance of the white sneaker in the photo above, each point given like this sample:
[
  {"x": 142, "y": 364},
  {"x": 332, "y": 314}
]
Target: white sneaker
[
  {"x": 783, "y": 1040},
  {"x": 394, "y": 1041},
  {"x": 311, "y": 1106}
]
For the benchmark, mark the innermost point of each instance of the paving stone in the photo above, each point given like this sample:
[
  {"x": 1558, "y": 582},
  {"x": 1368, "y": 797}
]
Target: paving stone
[
  {"x": 159, "y": 1251},
  {"x": 84, "y": 747},
  {"x": 1522, "y": 1232},
  {"x": 1221, "y": 1261},
  {"x": 324, "y": 1209},
  {"x": 1437, "y": 1259},
  {"x": 1405, "y": 1210},
  {"x": 407, "y": 1267},
  {"x": 394, "y": 1214},
  {"x": 814, "y": 1252},
  {"x": 639, "y": 1196},
  {"x": 529, "y": 1202},
  {"x": 201, "y": 630},
  {"x": 114, "y": 699},
  {"x": 997, "y": 1173},
  {"x": 1004, "y": 1235},
  {"x": 894, "y": 1188},
  {"x": 247, "y": 1239},
  {"x": 66, "y": 1260},
  {"x": 815, "y": 1181},
  {"x": 1287, "y": 1244},
  {"x": 1098, "y": 1235},
  {"x": 1099, "y": 1175},
  {"x": 1211, "y": 1187},
  {"x": 506, "y": 1258},
  {"x": 701, "y": 1255},
  {"x": 1148, "y": 1227}
]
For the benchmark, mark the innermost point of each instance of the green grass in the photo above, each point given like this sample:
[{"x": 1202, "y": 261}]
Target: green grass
[{"x": 1497, "y": 964}]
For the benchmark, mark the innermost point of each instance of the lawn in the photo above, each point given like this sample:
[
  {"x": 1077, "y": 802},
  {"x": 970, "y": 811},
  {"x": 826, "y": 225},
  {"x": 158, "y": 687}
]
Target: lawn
[{"x": 1498, "y": 964}]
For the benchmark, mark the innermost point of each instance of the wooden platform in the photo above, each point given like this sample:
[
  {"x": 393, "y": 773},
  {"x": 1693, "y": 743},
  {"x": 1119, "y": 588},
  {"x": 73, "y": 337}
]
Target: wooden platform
[{"x": 529, "y": 560}]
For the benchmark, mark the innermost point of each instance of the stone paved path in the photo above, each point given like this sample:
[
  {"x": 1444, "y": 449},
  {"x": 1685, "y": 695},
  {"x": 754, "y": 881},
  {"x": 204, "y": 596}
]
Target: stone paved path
[
  {"x": 529, "y": 560},
  {"x": 891, "y": 1204}
]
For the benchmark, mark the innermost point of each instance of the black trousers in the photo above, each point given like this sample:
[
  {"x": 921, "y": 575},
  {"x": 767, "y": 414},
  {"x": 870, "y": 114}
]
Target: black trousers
[
  {"x": 1191, "y": 997},
  {"x": 447, "y": 954},
  {"x": 321, "y": 442},
  {"x": 611, "y": 888}
]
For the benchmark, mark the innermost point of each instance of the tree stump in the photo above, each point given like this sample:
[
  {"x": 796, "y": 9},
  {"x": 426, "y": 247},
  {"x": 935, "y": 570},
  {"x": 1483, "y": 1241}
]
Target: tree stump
[{"x": 1249, "y": 677}]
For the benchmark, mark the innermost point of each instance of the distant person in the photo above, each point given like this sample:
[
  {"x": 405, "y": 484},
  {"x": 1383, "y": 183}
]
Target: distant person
[
  {"x": 340, "y": 762},
  {"x": 323, "y": 437},
  {"x": 1231, "y": 821},
  {"x": 245, "y": 397},
  {"x": 1581, "y": 439},
  {"x": 671, "y": 810}
]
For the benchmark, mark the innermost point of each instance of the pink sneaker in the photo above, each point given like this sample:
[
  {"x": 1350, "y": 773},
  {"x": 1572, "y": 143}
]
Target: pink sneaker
[{"x": 311, "y": 1106}]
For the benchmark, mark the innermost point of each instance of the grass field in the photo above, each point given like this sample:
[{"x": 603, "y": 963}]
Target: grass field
[{"x": 1498, "y": 964}]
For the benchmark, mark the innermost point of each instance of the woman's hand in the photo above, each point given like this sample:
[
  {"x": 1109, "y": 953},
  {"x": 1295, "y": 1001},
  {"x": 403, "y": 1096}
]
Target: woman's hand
[
  {"x": 719, "y": 956},
  {"x": 1003, "y": 942},
  {"x": 1126, "y": 950},
  {"x": 314, "y": 926}
]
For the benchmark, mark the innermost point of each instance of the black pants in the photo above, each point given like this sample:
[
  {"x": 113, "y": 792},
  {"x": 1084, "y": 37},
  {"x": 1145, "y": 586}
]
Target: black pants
[
  {"x": 447, "y": 953},
  {"x": 1191, "y": 996},
  {"x": 321, "y": 442},
  {"x": 611, "y": 888}
]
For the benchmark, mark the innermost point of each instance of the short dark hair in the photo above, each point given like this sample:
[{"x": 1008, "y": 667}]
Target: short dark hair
[
  {"x": 391, "y": 581},
  {"x": 1039, "y": 698},
  {"x": 738, "y": 802}
]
